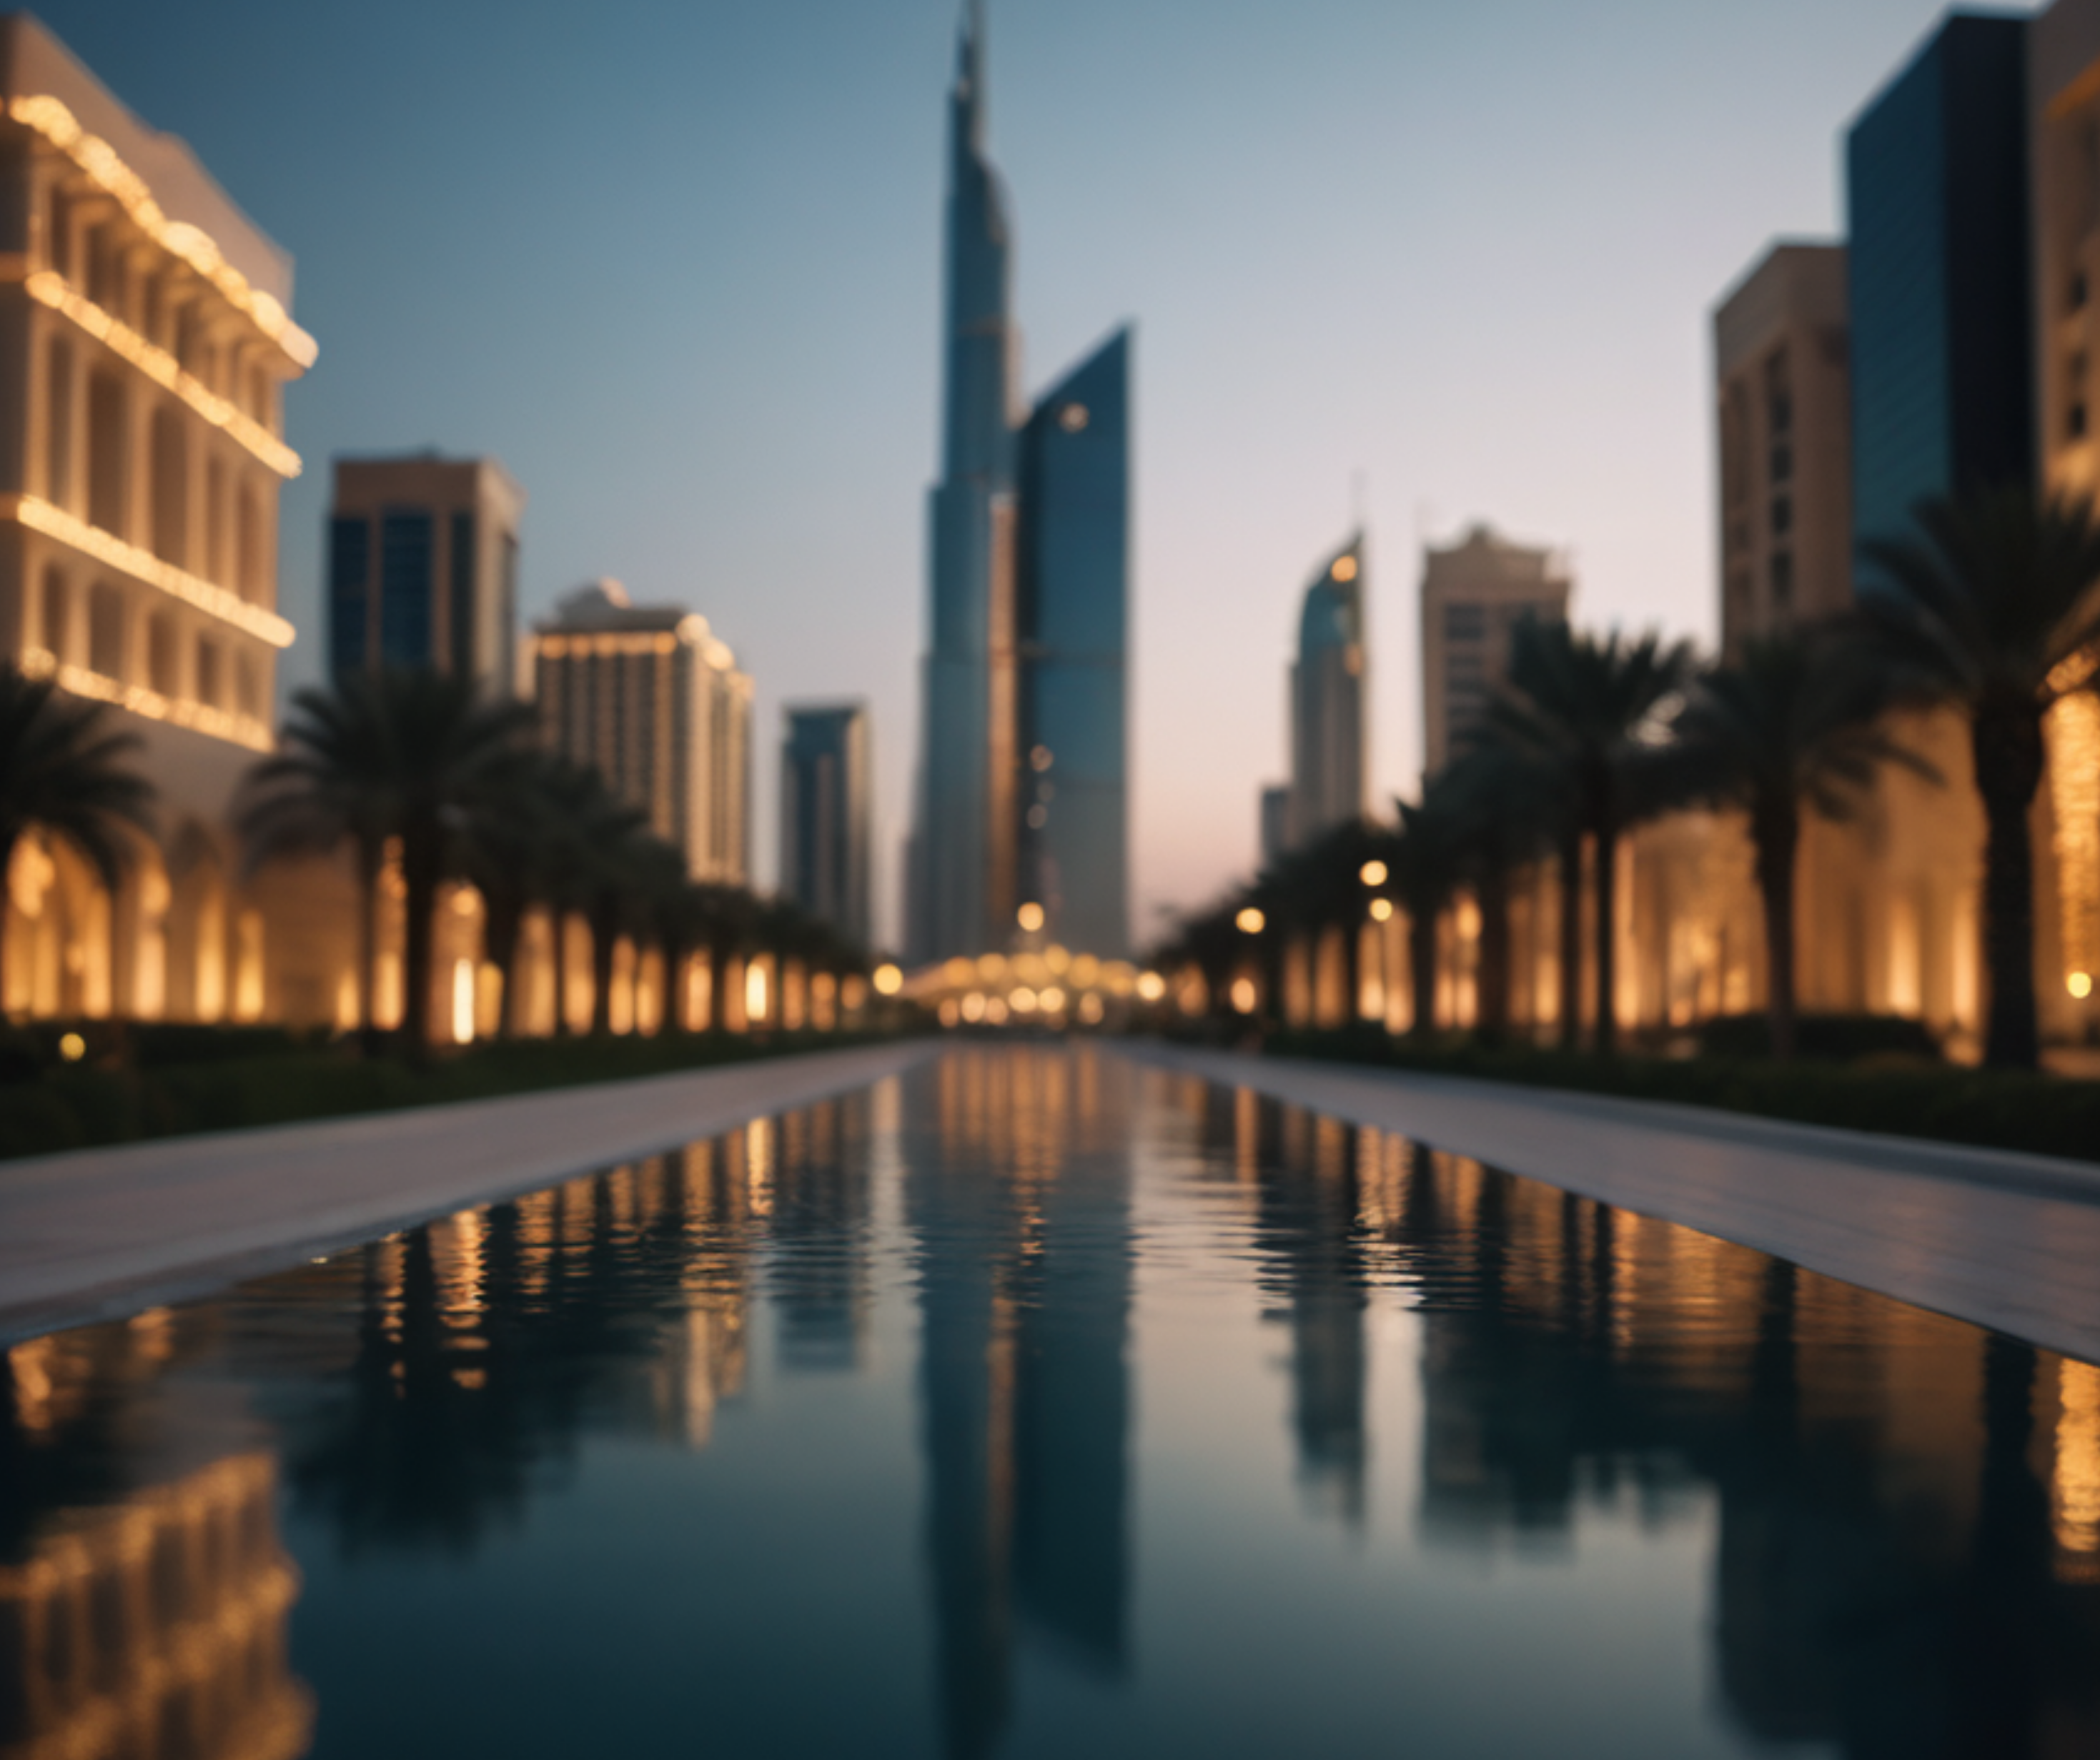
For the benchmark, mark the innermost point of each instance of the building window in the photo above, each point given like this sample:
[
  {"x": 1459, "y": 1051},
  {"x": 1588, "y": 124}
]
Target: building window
[
  {"x": 105, "y": 631},
  {"x": 105, "y": 454},
  {"x": 1782, "y": 463},
  {"x": 210, "y": 681},
  {"x": 1779, "y": 395},
  {"x": 1465, "y": 622},
  {"x": 248, "y": 540},
  {"x": 462, "y": 617},
  {"x": 350, "y": 588},
  {"x": 170, "y": 496},
  {"x": 2077, "y": 293},
  {"x": 1782, "y": 579},
  {"x": 58, "y": 425},
  {"x": 160, "y": 654},
  {"x": 58, "y": 233},
  {"x": 404, "y": 587},
  {"x": 105, "y": 271},
  {"x": 247, "y": 690},
  {"x": 1782, "y": 516},
  {"x": 57, "y": 615},
  {"x": 2074, "y": 421},
  {"x": 214, "y": 520}
]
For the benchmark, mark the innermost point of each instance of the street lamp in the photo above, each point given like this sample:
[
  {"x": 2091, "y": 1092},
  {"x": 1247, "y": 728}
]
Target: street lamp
[{"x": 1250, "y": 920}]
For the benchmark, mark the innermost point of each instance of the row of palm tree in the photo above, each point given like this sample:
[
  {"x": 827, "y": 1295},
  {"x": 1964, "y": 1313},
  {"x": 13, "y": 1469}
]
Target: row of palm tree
[
  {"x": 417, "y": 761},
  {"x": 1989, "y": 606}
]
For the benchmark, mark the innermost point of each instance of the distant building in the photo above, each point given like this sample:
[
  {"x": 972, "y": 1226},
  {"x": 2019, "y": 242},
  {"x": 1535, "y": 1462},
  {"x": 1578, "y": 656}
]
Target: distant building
[
  {"x": 1329, "y": 688},
  {"x": 649, "y": 699},
  {"x": 1071, "y": 628},
  {"x": 1275, "y": 821},
  {"x": 1939, "y": 263},
  {"x": 826, "y": 808},
  {"x": 1473, "y": 595},
  {"x": 1783, "y": 403},
  {"x": 422, "y": 567}
]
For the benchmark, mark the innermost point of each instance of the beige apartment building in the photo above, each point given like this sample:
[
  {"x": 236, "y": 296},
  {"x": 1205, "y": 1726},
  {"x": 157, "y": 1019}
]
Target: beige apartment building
[
  {"x": 1473, "y": 595},
  {"x": 147, "y": 341},
  {"x": 422, "y": 567},
  {"x": 1783, "y": 406},
  {"x": 650, "y": 698}
]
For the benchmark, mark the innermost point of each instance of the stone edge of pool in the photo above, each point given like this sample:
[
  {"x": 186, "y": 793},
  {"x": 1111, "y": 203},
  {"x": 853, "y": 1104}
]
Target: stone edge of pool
[
  {"x": 103, "y": 1233},
  {"x": 2008, "y": 1241}
]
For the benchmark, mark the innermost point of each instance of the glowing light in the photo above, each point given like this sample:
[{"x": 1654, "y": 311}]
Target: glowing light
[
  {"x": 50, "y": 289},
  {"x": 1073, "y": 418},
  {"x": 72, "y": 1048},
  {"x": 1250, "y": 920},
  {"x": 995, "y": 1011},
  {"x": 1023, "y": 1000},
  {"x": 1029, "y": 916},
  {"x": 50, "y": 118},
  {"x": 1344, "y": 569},
  {"x": 754, "y": 991},
  {"x": 2073, "y": 729},
  {"x": 1373, "y": 874},
  {"x": 1244, "y": 995},
  {"x": 1151, "y": 987},
  {"x": 1039, "y": 757},
  {"x": 242, "y": 730},
  {"x": 462, "y": 1001},
  {"x": 973, "y": 1007},
  {"x": 1052, "y": 1000},
  {"x": 889, "y": 979},
  {"x": 1381, "y": 910},
  {"x": 39, "y": 515},
  {"x": 949, "y": 1013},
  {"x": 1090, "y": 1008},
  {"x": 2079, "y": 984}
]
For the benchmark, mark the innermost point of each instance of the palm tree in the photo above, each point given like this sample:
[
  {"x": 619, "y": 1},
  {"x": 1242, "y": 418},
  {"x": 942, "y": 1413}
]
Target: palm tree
[
  {"x": 1986, "y": 604},
  {"x": 1794, "y": 721},
  {"x": 404, "y": 755},
  {"x": 505, "y": 853},
  {"x": 1425, "y": 863},
  {"x": 1585, "y": 712},
  {"x": 1505, "y": 806},
  {"x": 65, "y": 771}
]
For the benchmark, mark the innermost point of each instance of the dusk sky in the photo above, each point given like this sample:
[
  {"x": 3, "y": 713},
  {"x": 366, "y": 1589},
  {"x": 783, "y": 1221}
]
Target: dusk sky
[{"x": 678, "y": 266}]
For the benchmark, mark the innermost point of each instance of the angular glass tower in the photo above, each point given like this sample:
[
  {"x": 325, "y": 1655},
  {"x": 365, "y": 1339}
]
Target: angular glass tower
[
  {"x": 957, "y": 883},
  {"x": 1071, "y": 622},
  {"x": 1327, "y": 699},
  {"x": 1941, "y": 326}
]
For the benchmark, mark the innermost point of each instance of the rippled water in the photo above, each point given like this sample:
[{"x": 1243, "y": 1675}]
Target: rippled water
[{"x": 1033, "y": 1405}]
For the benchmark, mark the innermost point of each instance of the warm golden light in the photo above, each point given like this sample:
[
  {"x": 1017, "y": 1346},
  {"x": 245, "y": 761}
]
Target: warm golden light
[
  {"x": 1345, "y": 568},
  {"x": 1052, "y": 1000},
  {"x": 950, "y": 1012},
  {"x": 1023, "y": 1000},
  {"x": 2079, "y": 984},
  {"x": 973, "y": 1007},
  {"x": 1244, "y": 995},
  {"x": 1381, "y": 910},
  {"x": 1029, "y": 916},
  {"x": 1373, "y": 873},
  {"x": 1250, "y": 920},
  {"x": 754, "y": 991},
  {"x": 889, "y": 979},
  {"x": 1073, "y": 418},
  {"x": 462, "y": 1001},
  {"x": 1151, "y": 987},
  {"x": 72, "y": 1048}
]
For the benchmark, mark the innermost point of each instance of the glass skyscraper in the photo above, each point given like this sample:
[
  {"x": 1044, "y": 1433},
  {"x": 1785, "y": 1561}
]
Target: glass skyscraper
[
  {"x": 1071, "y": 621},
  {"x": 824, "y": 814},
  {"x": 1941, "y": 329},
  {"x": 1328, "y": 694},
  {"x": 1022, "y": 752}
]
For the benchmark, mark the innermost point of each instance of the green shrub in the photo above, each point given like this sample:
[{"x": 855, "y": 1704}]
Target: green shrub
[{"x": 1821, "y": 1038}]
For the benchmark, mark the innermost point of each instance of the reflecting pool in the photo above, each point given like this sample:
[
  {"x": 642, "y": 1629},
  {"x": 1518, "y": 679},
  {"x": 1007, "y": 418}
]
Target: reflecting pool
[{"x": 1035, "y": 1404}]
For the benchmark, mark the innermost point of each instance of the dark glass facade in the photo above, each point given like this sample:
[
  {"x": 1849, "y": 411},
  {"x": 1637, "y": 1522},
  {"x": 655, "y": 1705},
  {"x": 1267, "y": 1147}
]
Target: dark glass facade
[
  {"x": 1942, "y": 355},
  {"x": 405, "y": 547},
  {"x": 1071, "y": 618},
  {"x": 349, "y": 589},
  {"x": 824, "y": 814}
]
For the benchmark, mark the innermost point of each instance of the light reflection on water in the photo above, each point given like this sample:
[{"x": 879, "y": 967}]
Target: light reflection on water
[{"x": 1034, "y": 1405}]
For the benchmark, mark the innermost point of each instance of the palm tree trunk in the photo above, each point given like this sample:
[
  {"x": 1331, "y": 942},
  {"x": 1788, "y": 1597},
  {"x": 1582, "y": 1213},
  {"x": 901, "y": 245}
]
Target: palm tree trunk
[
  {"x": 1607, "y": 906},
  {"x": 1776, "y": 832},
  {"x": 558, "y": 914},
  {"x": 1422, "y": 969},
  {"x": 2008, "y": 747},
  {"x": 420, "y": 862},
  {"x": 1491, "y": 1014},
  {"x": 602, "y": 927},
  {"x": 500, "y": 927},
  {"x": 1570, "y": 937},
  {"x": 1353, "y": 971},
  {"x": 370, "y": 857},
  {"x": 7, "y": 842}
]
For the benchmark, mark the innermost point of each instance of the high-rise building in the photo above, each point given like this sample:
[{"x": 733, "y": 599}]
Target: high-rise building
[
  {"x": 1939, "y": 259},
  {"x": 1473, "y": 595},
  {"x": 1329, "y": 691},
  {"x": 147, "y": 340},
  {"x": 1275, "y": 830},
  {"x": 422, "y": 567},
  {"x": 826, "y": 813},
  {"x": 649, "y": 699},
  {"x": 978, "y": 842},
  {"x": 1071, "y": 622},
  {"x": 1783, "y": 401}
]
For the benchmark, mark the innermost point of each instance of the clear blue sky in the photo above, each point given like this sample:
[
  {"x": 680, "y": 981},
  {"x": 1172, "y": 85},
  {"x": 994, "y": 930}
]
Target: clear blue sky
[{"x": 678, "y": 266}]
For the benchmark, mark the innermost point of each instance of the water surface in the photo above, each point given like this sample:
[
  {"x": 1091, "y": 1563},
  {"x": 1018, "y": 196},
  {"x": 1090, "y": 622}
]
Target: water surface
[{"x": 1032, "y": 1404}]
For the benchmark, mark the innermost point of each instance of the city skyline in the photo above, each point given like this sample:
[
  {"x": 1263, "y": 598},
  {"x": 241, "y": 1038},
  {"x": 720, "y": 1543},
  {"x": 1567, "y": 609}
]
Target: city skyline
[{"x": 680, "y": 438}]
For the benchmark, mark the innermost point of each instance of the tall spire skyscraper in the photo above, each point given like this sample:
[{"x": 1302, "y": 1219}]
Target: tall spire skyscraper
[{"x": 960, "y": 883}]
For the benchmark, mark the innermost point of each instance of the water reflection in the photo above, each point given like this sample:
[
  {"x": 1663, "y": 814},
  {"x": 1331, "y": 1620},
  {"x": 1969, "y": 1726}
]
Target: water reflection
[
  {"x": 1025, "y": 1295},
  {"x": 933, "y": 1309}
]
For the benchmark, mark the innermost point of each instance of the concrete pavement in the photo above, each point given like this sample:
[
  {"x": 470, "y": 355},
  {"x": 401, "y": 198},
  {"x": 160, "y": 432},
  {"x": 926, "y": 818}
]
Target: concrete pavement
[
  {"x": 2005, "y": 1240},
  {"x": 99, "y": 1233}
]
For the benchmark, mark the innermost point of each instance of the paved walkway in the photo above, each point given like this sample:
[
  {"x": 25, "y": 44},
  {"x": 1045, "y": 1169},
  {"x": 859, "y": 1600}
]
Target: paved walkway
[
  {"x": 2009, "y": 1241},
  {"x": 103, "y": 1232}
]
